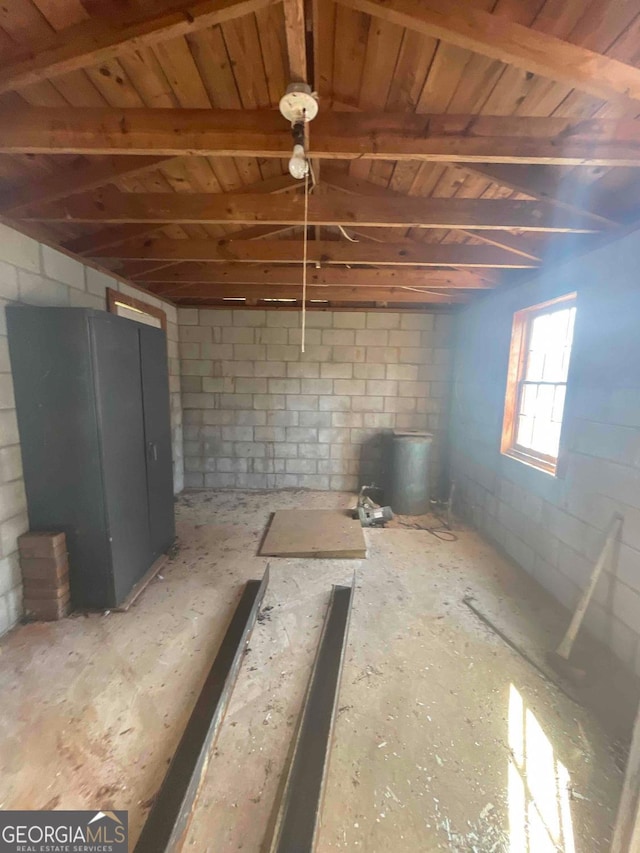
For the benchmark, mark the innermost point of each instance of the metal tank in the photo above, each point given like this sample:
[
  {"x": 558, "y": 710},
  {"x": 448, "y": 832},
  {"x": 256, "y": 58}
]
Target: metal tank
[{"x": 410, "y": 472}]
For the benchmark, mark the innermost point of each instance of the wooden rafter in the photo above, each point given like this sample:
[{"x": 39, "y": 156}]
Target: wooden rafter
[
  {"x": 410, "y": 212},
  {"x": 404, "y": 253},
  {"x": 243, "y": 274},
  {"x": 332, "y": 294},
  {"x": 295, "y": 29},
  {"x": 101, "y": 40},
  {"x": 91, "y": 244},
  {"x": 357, "y": 186},
  {"x": 88, "y": 244},
  {"x": 541, "y": 182},
  {"x": 95, "y": 245},
  {"x": 377, "y": 136},
  {"x": 69, "y": 181},
  {"x": 467, "y": 26}
]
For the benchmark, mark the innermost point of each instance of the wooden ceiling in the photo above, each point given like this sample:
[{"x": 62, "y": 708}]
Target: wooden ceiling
[{"x": 458, "y": 144}]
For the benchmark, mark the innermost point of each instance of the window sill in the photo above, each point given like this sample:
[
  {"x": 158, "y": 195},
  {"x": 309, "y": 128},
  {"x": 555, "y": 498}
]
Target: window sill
[{"x": 541, "y": 465}]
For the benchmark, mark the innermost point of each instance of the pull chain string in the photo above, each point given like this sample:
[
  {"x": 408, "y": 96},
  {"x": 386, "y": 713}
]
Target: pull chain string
[{"x": 304, "y": 257}]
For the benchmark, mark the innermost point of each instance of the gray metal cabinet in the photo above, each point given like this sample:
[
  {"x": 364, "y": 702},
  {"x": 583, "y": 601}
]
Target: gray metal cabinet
[{"x": 92, "y": 399}]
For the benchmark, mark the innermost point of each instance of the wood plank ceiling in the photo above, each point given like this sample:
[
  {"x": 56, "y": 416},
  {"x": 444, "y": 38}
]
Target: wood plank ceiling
[{"x": 457, "y": 144}]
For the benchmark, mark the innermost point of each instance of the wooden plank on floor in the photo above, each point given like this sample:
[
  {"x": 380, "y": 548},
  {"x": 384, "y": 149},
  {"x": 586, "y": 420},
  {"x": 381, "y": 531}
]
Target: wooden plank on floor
[{"x": 330, "y": 534}]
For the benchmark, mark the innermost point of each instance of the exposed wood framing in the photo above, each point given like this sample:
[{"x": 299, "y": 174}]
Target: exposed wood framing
[
  {"x": 564, "y": 191},
  {"x": 470, "y": 27},
  {"x": 404, "y": 253},
  {"x": 88, "y": 244},
  {"x": 103, "y": 39},
  {"x": 377, "y": 136},
  {"x": 251, "y": 208},
  {"x": 296, "y": 40},
  {"x": 357, "y": 186},
  {"x": 92, "y": 244},
  {"x": 288, "y": 291},
  {"x": 84, "y": 177},
  {"x": 332, "y": 277}
]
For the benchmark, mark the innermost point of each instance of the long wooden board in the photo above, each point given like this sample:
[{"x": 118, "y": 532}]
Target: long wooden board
[
  {"x": 325, "y": 533},
  {"x": 402, "y": 253},
  {"x": 333, "y": 135},
  {"x": 347, "y": 210}
]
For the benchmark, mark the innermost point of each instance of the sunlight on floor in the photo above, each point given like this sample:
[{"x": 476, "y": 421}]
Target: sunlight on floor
[{"x": 539, "y": 809}]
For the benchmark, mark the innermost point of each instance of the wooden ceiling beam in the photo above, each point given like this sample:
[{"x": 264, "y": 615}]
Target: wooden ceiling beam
[
  {"x": 242, "y": 274},
  {"x": 467, "y": 26},
  {"x": 410, "y": 212},
  {"x": 332, "y": 294},
  {"x": 91, "y": 243},
  {"x": 333, "y": 135},
  {"x": 296, "y": 35},
  {"x": 403, "y": 253},
  {"x": 102, "y": 39},
  {"x": 354, "y": 186},
  {"x": 80, "y": 178},
  {"x": 545, "y": 183},
  {"x": 87, "y": 244}
]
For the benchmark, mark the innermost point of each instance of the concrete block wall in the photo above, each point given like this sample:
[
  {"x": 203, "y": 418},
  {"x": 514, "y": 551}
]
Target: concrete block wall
[
  {"x": 554, "y": 526},
  {"x": 259, "y": 414},
  {"x": 33, "y": 273}
]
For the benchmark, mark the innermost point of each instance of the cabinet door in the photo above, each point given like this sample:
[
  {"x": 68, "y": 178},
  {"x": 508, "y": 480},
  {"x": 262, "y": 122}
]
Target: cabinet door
[
  {"x": 116, "y": 354},
  {"x": 157, "y": 427}
]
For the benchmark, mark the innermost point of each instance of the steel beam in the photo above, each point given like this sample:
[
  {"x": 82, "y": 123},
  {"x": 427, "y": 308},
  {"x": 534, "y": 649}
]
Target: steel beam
[
  {"x": 168, "y": 819},
  {"x": 296, "y": 826}
]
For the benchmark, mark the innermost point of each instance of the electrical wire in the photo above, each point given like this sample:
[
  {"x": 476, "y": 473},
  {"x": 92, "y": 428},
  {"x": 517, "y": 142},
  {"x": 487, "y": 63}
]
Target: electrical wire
[
  {"x": 304, "y": 258},
  {"x": 314, "y": 183},
  {"x": 442, "y": 531},
  {"x": 348, "y": 236},
  {"x": 421, "y": 290}
]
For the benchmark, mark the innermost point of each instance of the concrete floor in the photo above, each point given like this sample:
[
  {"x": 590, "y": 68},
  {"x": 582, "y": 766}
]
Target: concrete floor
[{"x": 445, "y": 738}]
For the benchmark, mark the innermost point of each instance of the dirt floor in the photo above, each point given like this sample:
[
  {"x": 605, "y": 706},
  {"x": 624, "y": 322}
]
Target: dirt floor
[{"x": 445, "y": 738}]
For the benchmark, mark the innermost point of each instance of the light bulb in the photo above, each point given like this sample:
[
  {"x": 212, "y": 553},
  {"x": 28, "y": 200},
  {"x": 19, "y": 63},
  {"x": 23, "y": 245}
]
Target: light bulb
[{"x": 298, "y": 165}]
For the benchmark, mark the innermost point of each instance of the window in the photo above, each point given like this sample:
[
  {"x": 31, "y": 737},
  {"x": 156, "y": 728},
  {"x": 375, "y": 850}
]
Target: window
[{"x": 537, "y": 382}]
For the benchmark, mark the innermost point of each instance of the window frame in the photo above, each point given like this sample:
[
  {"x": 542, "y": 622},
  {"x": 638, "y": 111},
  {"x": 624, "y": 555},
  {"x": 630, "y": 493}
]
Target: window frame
[{"x": 520, "y": 336}]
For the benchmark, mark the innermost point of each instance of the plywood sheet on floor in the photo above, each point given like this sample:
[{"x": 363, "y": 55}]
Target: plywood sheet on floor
[{"x": 330, "y": 534}]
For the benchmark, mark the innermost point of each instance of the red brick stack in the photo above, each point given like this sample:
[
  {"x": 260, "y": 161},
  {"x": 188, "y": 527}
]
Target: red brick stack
[{"x": 45, "y": 575}]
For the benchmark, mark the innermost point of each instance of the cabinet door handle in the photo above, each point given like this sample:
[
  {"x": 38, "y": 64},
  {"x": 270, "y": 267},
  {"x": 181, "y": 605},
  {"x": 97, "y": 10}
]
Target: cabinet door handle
[{"x": 153, "y": 450}]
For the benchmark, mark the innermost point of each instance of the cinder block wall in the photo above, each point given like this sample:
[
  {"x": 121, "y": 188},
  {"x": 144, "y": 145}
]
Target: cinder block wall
[
  {"x": 553, "y": 526},
  {"x": 35, "y": 274},
  {"x": 260, "y": 414}
]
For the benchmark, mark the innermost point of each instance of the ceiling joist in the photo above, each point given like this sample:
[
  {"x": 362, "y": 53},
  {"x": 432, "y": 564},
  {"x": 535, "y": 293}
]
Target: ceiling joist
[
  {"x": 562, "y": 190},
  {"x": 84, "y": 177},
  {"x": 404, "y": 253},
  {"x": 192, "y": 208},
  {"x": 314, "y": 293},
  {"x": 110, "y": 237},
  {"x": 243, "y": 274},
  {"x": 376, "y": 136},
  {"x": 344, "y": 182}
]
